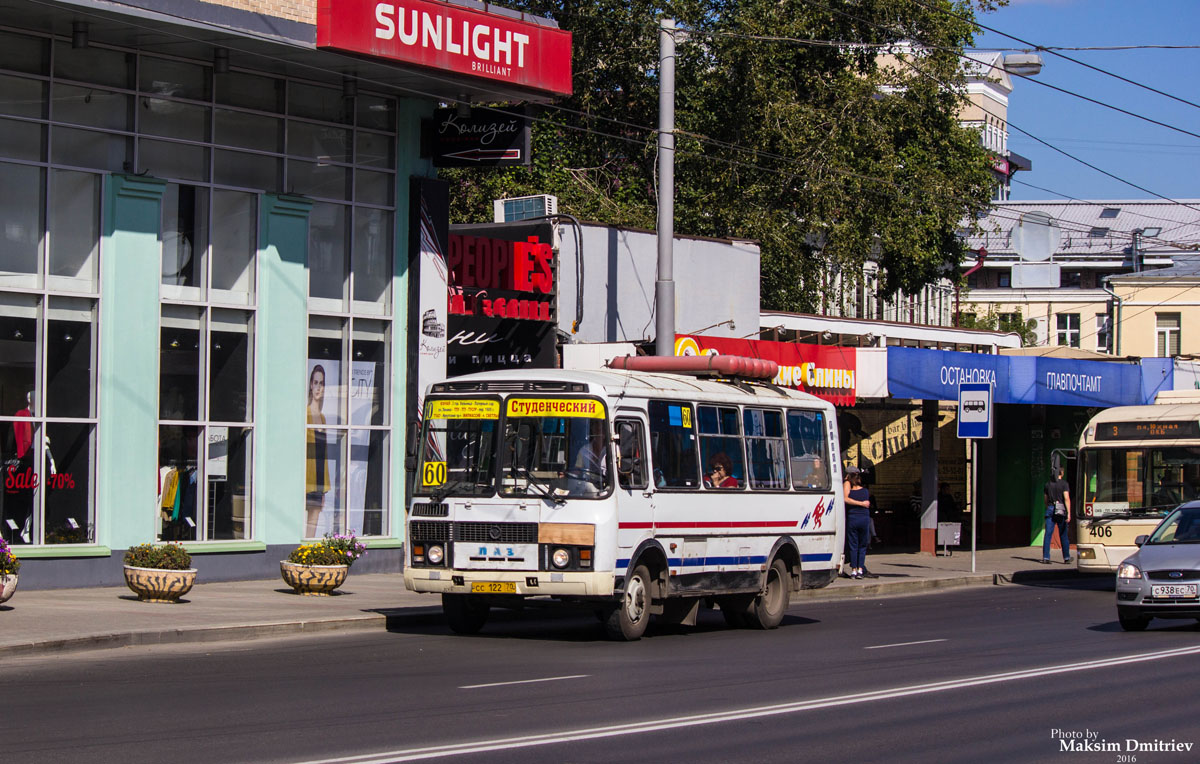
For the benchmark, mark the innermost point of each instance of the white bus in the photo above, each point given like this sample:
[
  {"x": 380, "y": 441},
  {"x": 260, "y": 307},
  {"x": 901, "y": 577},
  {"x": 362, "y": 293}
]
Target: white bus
[
  {"x": 602, "y": 488},
  {"x": 1135, "y": 464}
]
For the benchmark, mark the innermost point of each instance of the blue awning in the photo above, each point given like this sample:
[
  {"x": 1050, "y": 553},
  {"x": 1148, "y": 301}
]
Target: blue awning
[{"x": 936, "y": 374}]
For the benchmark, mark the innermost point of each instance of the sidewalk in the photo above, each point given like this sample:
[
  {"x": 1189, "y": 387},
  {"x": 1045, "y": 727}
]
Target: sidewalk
[{"x": 83, "y": 619}]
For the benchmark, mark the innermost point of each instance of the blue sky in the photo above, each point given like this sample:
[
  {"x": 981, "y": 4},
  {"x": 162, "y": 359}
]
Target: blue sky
[{"x": 1160, "y": 160}]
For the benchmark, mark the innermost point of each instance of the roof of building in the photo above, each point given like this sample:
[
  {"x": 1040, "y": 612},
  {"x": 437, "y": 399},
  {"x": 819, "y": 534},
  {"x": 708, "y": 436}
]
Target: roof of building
[
  {"x": 1184, "y": 267},
  {"x": 1100, "y": 228}
]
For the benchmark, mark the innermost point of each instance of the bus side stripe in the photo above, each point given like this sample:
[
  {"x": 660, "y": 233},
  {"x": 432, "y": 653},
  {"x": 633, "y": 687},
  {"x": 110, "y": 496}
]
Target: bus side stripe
[{"x": 715, "y": 524}]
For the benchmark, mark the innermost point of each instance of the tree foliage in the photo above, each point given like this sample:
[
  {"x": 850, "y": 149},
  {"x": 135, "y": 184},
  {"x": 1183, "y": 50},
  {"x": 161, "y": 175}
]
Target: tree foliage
[{"x": 824, "y": 154}]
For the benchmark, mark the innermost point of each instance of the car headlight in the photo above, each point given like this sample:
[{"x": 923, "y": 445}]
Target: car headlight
[
  {"x": 561, "y": 558},
  {"x": 436, "y": 554},
  {"x": 1129, "y": 570}
]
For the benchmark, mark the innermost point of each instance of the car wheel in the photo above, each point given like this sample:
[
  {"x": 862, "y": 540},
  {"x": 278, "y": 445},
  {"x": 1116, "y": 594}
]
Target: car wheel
[
  {"x": 465, "y": 614},
  {"x": 1133, "y": 622},
  {"x": 627, "y": 622},
  {"x": 769, "y": 606}
]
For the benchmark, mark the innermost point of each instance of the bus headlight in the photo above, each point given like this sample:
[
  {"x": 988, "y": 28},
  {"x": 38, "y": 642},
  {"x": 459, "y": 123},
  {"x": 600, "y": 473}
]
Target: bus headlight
[
  {"x": 1129, "y": 570},
  {"x": 436, "y": 554},
  {"x": 561, "y": 558}
]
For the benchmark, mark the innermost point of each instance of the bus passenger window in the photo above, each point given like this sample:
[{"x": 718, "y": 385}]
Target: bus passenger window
[
  {"x": 631, "y": 451},
  {"x": 766, "y": 450},
  {"x": 721, "y": 447},
  {"x": 809, "y": 450},
  {"x": 673, "y": 445}
]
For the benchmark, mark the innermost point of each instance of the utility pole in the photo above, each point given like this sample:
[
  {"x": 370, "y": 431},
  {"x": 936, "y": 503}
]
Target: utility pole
[{"x": 664, "y": 286}]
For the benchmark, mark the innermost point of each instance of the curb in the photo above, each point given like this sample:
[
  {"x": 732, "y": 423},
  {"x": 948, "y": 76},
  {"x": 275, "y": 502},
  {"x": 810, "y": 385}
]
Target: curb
[
  {"x": 378, "y": 621},
  {"x": 894, "y": 587}
]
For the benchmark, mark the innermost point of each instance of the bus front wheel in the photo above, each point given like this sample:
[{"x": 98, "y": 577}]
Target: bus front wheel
[
  {"x": 769, "y": 606},
  {"x": 464, "y": 613},
  {"x": 627, "y": 622}
]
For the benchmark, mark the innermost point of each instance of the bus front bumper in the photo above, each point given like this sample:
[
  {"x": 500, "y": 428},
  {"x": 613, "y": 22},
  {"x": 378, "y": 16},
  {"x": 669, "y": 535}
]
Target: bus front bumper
[{"x": 528, "y": 583}]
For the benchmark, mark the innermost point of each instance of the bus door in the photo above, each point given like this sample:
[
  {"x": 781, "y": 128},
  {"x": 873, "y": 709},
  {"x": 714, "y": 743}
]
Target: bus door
[{"x": 634, "y": 494}]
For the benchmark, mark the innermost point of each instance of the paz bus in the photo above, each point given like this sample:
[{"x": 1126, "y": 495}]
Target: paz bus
[
  {"x": 654, "y": 488},
  {"x": 1135, "y": 464}
]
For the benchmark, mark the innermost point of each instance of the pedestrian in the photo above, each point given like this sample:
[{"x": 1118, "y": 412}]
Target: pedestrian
[
  {"x": 1058, "y": 514},
  {"x": 858, "y": 520}
]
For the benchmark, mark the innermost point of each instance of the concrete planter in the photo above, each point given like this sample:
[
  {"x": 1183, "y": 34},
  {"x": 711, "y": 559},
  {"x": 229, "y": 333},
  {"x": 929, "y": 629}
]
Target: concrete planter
[
  {"x": 316, "y": 580},
  {"x": 155, "y": 585},
  {"x": 8, "y": 585}
]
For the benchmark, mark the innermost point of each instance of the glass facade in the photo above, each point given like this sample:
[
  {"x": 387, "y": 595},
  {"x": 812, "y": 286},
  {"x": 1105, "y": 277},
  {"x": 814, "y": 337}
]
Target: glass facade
[{"x": 70, "y": 117}]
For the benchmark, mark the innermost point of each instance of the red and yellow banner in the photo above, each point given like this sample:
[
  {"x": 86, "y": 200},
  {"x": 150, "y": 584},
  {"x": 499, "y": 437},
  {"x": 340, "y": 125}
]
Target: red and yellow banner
[{"x": 821, "y": 370}]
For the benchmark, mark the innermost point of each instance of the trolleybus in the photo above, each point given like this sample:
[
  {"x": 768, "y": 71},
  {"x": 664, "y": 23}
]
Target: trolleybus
[
  {"x": 1135, "y": 464},
  {"x": 632, "y": 492}
]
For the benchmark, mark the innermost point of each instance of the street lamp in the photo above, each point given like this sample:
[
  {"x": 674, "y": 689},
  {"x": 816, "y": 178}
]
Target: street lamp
[{"x": 1023, "y": 64}]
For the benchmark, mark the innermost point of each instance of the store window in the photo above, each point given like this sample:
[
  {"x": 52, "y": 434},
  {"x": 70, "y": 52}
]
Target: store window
[
  {"x": 206, "y": 428},
  {"x": 1068, "y": 329},
  {"x": 340, "y": 154},
  {"x": 1167, "y": 334},
  {"x": 49, "y": 298},
  {"x": 47, "y": 418},
  {"x": 347, "y": 441}
]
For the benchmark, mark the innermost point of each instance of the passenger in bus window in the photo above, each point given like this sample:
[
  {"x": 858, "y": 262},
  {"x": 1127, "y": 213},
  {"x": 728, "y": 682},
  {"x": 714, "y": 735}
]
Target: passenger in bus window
[
  {"x": 811, "y": 473},
  {"x": 718, "y": 472}
]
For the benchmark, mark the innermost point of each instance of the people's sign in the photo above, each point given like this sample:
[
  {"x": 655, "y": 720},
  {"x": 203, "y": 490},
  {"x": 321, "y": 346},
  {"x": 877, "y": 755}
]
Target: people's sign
[{"x": 824, "y": 371}]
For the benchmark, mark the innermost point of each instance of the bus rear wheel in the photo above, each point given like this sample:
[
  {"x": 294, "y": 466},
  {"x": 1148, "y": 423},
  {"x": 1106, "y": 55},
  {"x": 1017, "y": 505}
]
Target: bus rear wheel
[
  {"x": 627, "y": 622},
  {"x": 769, "y": 606},
  {"x": 465, "y": 614}
]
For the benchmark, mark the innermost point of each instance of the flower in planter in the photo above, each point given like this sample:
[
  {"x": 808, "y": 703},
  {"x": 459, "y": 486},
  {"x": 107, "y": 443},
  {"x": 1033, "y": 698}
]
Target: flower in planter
[
  {"x": 9, "y": 564},
  {"x": 333, "y": 549},
  {"x": 158, "y": 556}
]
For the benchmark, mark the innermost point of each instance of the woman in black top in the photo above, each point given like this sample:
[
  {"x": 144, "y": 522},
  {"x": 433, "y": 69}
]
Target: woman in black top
[{"x": 858, "y": 520}]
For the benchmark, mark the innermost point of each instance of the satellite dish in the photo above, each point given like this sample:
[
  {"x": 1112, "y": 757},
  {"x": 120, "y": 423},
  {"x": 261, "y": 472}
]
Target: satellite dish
[{"x": 1036, "y": 236}]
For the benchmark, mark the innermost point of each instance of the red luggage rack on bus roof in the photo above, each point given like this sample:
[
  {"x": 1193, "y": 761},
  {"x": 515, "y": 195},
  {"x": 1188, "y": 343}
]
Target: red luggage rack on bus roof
[{"x": 723, "y": 366}]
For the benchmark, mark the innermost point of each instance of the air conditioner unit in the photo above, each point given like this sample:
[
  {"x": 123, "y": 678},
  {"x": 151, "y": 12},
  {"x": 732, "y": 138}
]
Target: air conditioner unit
[{"x": 524, "y": 208}]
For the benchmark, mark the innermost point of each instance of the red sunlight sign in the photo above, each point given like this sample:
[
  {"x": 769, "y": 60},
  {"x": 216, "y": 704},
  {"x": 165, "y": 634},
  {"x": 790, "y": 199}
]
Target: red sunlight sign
[
  {"x": 822, "y": 370},
  {"x": 450, "y": 38}
]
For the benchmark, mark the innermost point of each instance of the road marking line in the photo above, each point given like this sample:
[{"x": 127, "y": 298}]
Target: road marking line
[
  {"x": 904, "y": 644},
  {"x": 754, "y": 712},
  {"x": 523, "y": 681}
]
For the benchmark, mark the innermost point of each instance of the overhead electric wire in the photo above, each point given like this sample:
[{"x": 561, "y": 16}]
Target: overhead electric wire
[{"x": 1035, "y": 46}]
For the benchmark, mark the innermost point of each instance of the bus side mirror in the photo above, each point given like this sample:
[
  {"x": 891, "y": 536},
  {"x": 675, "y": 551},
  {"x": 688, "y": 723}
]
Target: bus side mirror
[
  {"x": 410, "y": 446},
  {"x": 1142, "y": 539}
]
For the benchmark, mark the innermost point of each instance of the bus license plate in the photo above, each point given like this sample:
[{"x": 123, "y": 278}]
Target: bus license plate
[
  {"x": 1174, "y": 590},
  {"x": 510, "y": 587}
]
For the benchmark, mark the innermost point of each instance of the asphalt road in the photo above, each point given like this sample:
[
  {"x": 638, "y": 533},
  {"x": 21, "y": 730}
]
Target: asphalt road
[{"x": 985, "y": 674}]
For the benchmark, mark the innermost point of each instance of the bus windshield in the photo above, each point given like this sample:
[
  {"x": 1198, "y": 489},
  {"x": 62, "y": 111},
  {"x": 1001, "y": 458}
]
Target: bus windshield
[
  {"x": 1139, "y": 481},
  {"x": 457, "y": 448},
  {"x": 557, "y": 448}
]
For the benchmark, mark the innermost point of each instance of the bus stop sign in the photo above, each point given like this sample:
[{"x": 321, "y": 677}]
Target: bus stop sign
[{"x": 975, "y": 410}]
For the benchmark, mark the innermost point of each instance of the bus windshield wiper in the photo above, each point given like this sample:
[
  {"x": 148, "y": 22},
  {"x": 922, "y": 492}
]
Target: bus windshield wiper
[{"x": 544, "y": 492}]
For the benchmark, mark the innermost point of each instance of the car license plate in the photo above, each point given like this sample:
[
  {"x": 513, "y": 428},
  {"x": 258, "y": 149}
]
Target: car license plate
[
  {"x": 1174, "y": 590},
  {"x": 508, "y": 587}
]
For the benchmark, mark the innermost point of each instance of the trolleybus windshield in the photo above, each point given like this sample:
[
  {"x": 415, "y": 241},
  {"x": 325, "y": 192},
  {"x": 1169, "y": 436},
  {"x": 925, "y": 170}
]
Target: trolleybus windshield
[{"x": 1127, "y": 482}]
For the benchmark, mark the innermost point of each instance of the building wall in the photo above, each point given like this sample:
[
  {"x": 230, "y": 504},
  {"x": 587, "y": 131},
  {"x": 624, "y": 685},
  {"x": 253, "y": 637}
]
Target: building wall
[
  {"x": 716, "y": 285},
  {"x": 220, "y": 223},
  {"x": 1044, "y": 309},
  {"x": 1141, "y": 305}
]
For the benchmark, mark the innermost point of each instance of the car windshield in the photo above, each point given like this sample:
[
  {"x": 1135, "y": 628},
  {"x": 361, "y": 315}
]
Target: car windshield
[
  {"x": 457, "y": 448},
  {"x": 1181, "y": 527},
  {"x": 1144, "y": 482},
  {"x": 557, "y": 448}
]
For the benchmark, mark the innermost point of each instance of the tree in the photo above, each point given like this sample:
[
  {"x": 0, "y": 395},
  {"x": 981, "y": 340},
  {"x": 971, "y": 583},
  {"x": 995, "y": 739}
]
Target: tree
[
  {"x": 1000, "y": 322},
  {"x": 824, "y": 154}
]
